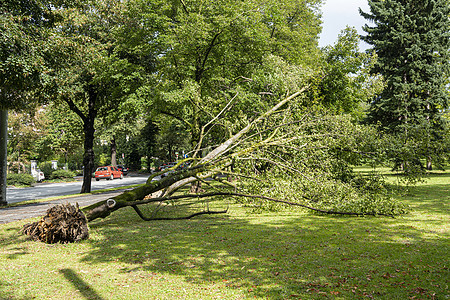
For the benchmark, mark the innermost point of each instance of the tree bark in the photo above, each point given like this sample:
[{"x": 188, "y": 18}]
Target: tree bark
[
  {"x": 113, "y": 152},
  {"x": 3, "y": 155},
  {"x": 19, "y": 163},
  {"x": 105, "y": 208},
  {"x": 88, "y": 158},
  {"x": 89, "y": 130}
]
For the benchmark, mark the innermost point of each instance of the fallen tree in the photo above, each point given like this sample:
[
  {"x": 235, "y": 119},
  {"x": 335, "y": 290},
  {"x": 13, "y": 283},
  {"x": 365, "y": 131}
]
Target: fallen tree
[
  {"x": 215, "y": 162},
  {"x": 278, "y": 142},
  {"x": 285, "y": 156}
]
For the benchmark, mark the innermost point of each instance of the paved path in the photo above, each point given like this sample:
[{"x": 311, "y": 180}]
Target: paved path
[{"x": 16, "y": 213}]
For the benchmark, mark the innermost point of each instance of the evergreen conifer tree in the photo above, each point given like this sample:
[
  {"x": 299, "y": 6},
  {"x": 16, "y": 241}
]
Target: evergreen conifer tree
[{"x": 411, "y": 39}]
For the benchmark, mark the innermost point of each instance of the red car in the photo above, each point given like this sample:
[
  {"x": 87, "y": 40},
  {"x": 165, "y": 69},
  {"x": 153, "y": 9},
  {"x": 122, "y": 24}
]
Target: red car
[{"x": 107, "y": 172}]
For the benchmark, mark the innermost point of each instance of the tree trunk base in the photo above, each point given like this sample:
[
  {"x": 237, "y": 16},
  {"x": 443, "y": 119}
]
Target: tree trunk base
[
  {"x": 196, "y": 188},
  {"x": 62, "y": 223}
]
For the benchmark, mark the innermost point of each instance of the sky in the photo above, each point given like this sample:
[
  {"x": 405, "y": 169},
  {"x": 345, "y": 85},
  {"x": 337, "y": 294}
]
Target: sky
[{"x": 337, "y": 14}]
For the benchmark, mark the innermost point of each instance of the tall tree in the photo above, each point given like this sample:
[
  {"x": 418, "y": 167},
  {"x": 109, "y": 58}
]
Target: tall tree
[
  {"x": 412, "y": 40},
  {"x": 207, "y": 48},
  {"x": 93, "y": 78},
  {"x": 24, "y": 45}
]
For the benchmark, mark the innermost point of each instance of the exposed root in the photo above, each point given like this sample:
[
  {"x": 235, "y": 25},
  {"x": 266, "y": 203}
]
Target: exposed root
[{"x": 64, "y": 223}]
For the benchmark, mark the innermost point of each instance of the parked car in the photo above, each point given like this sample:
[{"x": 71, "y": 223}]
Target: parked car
[
  {"x": 108, "y": 173},
  {"x": 123, "y": 169}
]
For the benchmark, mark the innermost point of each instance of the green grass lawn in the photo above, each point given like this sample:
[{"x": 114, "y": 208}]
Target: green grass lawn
[{"x": 286, "y": 255}]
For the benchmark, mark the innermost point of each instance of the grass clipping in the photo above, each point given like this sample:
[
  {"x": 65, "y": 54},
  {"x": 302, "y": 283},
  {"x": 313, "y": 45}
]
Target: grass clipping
[{"x": 63, "y": 223}]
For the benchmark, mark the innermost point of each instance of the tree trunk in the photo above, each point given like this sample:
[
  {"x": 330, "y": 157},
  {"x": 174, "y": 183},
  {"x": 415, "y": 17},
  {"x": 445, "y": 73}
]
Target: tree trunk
[
  {"x": 19, "y": 163},
  {"x": 195, "y": 130},
  {"x": 105, "y": 208},
  {"x": 149, "y": 163},
  {"x": 89, "y": 130},
  {"x": 169, "y": 150},
  {"x": 3, "y": 155},
  {"x": 88, "y": 160},
  {"x": 113, "y": 152},
  {"x": 196, "y": 187}
]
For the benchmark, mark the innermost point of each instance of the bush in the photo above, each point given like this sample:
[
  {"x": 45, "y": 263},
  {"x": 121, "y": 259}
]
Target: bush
[
  {"x": 46, "y": 168},
  {"x": 20, "y": 179},
  {"x": 62, "y": 174}
]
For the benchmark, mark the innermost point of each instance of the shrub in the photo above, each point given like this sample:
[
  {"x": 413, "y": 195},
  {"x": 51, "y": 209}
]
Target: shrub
[
  {"x": 62, "y": 174},
  {"x": 46, "y": 168},
  {"x": 19, "y": 179}
]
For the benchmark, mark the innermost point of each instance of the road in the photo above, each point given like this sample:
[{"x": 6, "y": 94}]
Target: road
[{"x": 46, "y": 190}]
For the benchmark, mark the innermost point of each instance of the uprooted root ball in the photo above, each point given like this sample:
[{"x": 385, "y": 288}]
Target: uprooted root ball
[{"x": 63, "y": 223}]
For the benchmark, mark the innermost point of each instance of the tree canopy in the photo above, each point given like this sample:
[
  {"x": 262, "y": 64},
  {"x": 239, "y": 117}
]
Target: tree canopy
[
  {"x": 91, "y": 77},
  {"x": 204, "y": 49},
  {"x": 25, "y": 46},
  {"x": 345, "y": 83},
  {"x": 411, "y": 39}
]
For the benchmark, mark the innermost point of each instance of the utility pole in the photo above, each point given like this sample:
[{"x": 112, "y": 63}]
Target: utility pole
[{"x": 3, "y": 155}]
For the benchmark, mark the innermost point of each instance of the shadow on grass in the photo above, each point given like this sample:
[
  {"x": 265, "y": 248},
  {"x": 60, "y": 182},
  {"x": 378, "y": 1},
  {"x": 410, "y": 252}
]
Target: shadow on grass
[
  {"x": 277, "y": 256},
  {"x": 424, "y": 197},
  {"x": 4, "y": 294},
  {"x": 85, "y": 289},
  {"x": 16, "y": 252},
  {"x": 14, "y": 238}
]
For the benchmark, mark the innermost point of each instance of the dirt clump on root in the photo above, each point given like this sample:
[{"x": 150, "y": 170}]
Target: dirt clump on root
[{"x": 63, "y": 223}]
